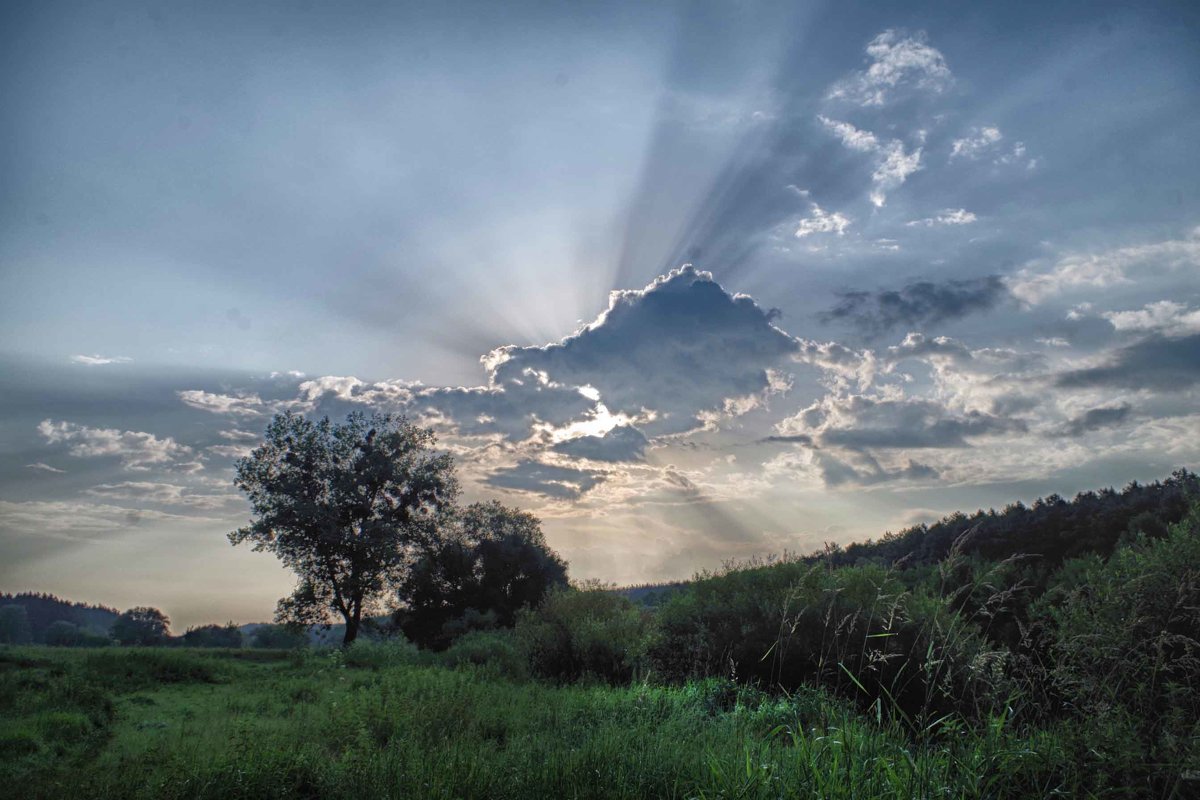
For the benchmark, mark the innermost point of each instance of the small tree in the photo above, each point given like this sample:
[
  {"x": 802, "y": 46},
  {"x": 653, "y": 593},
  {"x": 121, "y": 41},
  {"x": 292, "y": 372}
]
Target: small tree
[
  {"x": 142, "y": 626},
  {"x": 344, "y": 506},
  {"x": 14, "y": 625},
  {"x": 492, "y": 562}
]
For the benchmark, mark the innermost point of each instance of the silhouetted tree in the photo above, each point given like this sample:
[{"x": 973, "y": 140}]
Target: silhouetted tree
[
  {"x": 344, "y": 506},
  {"x": 213, "y": 636},
  {"x": 492, "y": 562},
  {"x": 14, "y": 625},
  {"x": 141, "y": 626}
]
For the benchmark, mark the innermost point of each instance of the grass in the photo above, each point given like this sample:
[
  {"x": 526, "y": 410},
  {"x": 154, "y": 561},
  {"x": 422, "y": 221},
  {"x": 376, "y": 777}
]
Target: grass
[{"x": 385, "y": 723}]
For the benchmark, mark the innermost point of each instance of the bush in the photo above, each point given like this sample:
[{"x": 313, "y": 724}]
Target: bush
[
  {"x": 496, "y": 652},
  {"x": 378, "y": 655},
  {"x": 1125, "y": 643},
  {"x": 585, "y": 633}
]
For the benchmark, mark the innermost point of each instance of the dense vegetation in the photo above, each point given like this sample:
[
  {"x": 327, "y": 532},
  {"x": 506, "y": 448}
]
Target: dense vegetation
[{"x": 1050, "y": 650}]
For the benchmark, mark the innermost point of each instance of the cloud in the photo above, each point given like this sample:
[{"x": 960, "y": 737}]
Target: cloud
[
  {"x": 231, "y": 450},
  {"x": 161, "y": 493},
  {"x": 1165, "y": 317},
  {"x": 236, "y": 435},
  {"x": 1107, "y": 268},
  {"x": 897, "y": 61},
  {"x": 560, "y": 483},
  {"x": 893, "y": 163},
  {"x": 137, "y": 450},
  {"x": 1095, "y": 419},
  {"x": 857, "y": 422},
  {"x": 918, "y": 304},
  {"x": 40, "y": 467},
  {"x": 99, "y": 360},
  {"x": 248, "y": 405},
  {"x": 976, "y": 143},
  {"x": 81, "y": 522},
  {"x": 1155, "y": 363},
  {"x": 951, "y": 216},
  {"x": 822, "y": 222},
  {"x": 622, "y": 443},
  {"x": 667, "y": 354}
]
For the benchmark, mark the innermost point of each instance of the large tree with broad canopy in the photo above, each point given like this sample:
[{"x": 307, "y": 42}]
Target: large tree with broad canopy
[{"x": 345, "y": 506}]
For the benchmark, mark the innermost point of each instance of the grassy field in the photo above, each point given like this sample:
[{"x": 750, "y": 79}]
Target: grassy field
[{"x": 118, "y": 723}]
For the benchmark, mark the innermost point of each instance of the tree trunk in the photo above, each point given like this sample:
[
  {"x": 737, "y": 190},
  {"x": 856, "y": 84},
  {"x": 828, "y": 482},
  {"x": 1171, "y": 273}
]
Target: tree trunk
[{"x": 351, "y": 630}]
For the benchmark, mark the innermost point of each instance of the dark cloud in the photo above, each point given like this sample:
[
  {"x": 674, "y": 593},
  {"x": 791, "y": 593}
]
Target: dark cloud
[
  {"x": 862, "y": 422},
  {"x": 622, "y": 443},
  {"x": 1095, "y": 419},
  {"x": 563, "y": 483},
  {"x": 679, "y": 347},
  {"x": 798, "y": 438},
  {"x": 920, "y": 304},
  {"x": 837, "y": 472},
  {"x": 1157, "y": 363}
]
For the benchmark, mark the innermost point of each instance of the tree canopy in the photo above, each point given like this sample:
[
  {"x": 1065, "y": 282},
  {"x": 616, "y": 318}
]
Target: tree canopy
[
  {"x": 142, "y": 626},
  {"x": 346, "y": 507},
  {"x": 491, "y": 562}
]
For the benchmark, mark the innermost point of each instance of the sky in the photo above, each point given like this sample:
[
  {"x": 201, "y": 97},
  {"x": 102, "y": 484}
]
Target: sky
[{"x": 692, "y": 282}]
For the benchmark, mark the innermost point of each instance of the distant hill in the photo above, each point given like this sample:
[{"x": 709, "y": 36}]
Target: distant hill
[{"x": 46, "y": 609}]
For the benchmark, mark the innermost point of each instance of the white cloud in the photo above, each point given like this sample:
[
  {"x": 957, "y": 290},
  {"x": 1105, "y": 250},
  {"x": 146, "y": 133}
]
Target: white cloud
[
  {"x": 136, "y": 449},
  {"x": 852, "y": 137},
  {"x": 894, "y": 168},
  {"x": 231, "y": 450},
  {"x": 893, "y": 163},
  {"x": 976, "y": 143},
  {"x": 951, "y": 216},
  {"x": 75, "y": 521},
  {"x": 40, "y": 467},
  {"x": 1165, "y": 316},
  {"x": 896, "y": 61},
  {"x": 248, "y": 405},
  {"x": 161, "y": 493},
  {"x": 1108, "y": 268},
  {"x": 99, "y": 360},
  {"x": 822, "y": 222}
]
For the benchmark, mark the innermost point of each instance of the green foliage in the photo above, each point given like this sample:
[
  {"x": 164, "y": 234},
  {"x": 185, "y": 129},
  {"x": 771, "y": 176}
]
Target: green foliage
[
  {"x": 585, "y": 633},
  {"x": 278, "y": 637},
  {"x": 324, "y": 727},
  {"x": 141, "y": 626},
  {"x": 344, "y": 506},
  {"x": 1125, "y": 643},
  {"x": 496, "y": 652},
  {"x": 477, "y": 573},
  {"x": 213, "y": 636},
  {"x": 14, "y": 625}
]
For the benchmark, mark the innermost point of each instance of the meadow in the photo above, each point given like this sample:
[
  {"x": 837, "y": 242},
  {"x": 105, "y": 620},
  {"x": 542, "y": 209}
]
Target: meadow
[{"x": 384, "y": 721}]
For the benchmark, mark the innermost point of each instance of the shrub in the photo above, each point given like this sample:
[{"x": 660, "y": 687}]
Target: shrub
[
  {"x": 1125, "y": 642},
  {"x": 496, "y": 652},
  {"x": 585, "y": 633}
]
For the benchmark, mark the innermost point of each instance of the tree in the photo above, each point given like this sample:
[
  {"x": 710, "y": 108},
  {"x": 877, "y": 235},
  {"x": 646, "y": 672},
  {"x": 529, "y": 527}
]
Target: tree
[
  {"x": 63, "y": 634},
  {"x": 278, "y": 637},
  {"x": 213, "y": 636},
  {"x": 492, "y": 562},
  {"x": 344, "y": 506},
  {"x": 142, "y": 626},
  {"x": 14, "y": 625}
]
